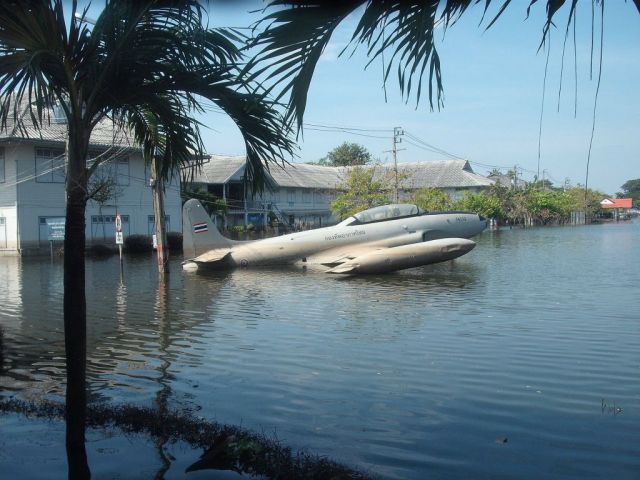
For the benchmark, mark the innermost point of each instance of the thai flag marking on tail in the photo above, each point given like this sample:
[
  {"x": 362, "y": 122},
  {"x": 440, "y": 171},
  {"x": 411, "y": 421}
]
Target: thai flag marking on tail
[{"x": 200, "y": 227}]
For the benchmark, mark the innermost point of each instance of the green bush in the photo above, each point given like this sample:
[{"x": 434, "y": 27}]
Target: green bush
[
  {"x": 174, "y": 241},
  {"x": 138, "y": 243},
  {"x": 99, "y": 250}
]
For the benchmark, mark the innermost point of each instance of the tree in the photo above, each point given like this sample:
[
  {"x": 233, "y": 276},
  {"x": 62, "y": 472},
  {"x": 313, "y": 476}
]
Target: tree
[
  {"x": 631, "y": 188},
  {"x": 361, "y": 190},
  {"x": 296, "y": 33},
  {"x": 102, "y": 188},
  {"x": 212, "y": 204},
  {"x": 481, "y": 203},
  {"x": 431, "y": 199},
  {"x": 140, "y": 61},
  {"x": 347, "y": 155}
]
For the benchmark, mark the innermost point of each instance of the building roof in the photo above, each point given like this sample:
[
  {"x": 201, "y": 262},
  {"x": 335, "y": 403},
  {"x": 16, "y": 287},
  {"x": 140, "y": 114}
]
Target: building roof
[
  {"x": 441, "y": 174},
  {"x": 224, "y": 168},
  {"x": 54, "y": 130},
  {"x": 617, "y": 203}
]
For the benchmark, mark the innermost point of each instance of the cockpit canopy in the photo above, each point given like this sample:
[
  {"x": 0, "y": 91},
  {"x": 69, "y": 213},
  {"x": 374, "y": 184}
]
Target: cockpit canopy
[{"x": 388, "y": 212}]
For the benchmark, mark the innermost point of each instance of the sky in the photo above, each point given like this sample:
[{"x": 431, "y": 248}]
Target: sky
[{"x": 493, "y": 82}]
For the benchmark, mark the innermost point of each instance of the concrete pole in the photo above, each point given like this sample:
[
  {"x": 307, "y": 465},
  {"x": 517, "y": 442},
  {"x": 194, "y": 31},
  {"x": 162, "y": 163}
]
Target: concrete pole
[{"x": 158, "y": 212}]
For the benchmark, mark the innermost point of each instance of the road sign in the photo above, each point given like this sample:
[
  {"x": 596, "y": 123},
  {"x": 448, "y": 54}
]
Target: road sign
[
  {"x": 118, "y": 223},
  {"x": 119, "y": 238}
]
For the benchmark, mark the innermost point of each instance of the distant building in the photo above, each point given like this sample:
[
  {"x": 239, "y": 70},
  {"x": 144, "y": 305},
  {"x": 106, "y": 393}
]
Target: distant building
[
  {"x": 301, "y": 194},
  {"x": 619, "y": 206},
  {"x": 32, "y": 197}
]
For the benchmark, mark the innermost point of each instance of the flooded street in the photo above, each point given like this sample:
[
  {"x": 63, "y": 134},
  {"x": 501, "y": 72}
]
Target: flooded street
[{"x": 518, "y": 360}]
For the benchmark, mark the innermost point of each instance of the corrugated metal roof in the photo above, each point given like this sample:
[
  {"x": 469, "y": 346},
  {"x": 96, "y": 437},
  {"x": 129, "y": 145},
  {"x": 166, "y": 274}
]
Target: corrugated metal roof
[
  {"x": 302, "y": 175},
  {"x": 220, "y": 169},
  {"x": 104, "y": 134},
  {"x": 441, "y": 174}
]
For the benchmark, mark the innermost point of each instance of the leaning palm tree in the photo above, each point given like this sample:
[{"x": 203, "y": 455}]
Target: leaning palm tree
[
  {"x": 140, "y": 56},
  {"x": 293, "y": 34}
]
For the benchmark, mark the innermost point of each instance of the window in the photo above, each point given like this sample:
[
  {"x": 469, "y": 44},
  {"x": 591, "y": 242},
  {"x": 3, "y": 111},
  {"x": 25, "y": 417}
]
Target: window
[
  {"x": 291, "y": 195},
  {"x": 49, "y": 165},
  {"x": 307, "y": 196},
  {"x": 2, "y": 177},
  {"x": 387, "y": 212},
  {"x": 151, "y": 223},
  {"x": 275, "y": 196},
  {"x": 104, "y": 226},
  {"x": 115, "y": 168}
]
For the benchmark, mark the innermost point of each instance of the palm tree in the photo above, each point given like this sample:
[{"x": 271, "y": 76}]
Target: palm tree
[
  {"x": 141, "y": 59},
  {"x": 297, "y": 31}
]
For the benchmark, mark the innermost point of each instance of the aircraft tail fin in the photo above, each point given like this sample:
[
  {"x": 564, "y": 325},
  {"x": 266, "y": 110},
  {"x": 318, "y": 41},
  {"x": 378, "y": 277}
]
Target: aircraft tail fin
[{"x": 199, "y": 234}]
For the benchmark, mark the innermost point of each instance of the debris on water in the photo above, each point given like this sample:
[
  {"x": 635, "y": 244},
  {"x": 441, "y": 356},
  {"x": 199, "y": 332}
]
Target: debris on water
[{"x": 502, "y": 440}]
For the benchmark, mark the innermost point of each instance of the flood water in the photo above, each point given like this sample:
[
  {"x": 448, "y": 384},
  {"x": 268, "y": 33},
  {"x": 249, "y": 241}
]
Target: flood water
[{"x": 518, "y": 360}]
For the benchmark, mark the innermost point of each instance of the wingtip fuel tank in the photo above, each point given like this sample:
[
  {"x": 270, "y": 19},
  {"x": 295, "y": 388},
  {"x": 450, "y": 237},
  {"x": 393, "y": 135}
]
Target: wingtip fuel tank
[{"x": 406, "y": 256}]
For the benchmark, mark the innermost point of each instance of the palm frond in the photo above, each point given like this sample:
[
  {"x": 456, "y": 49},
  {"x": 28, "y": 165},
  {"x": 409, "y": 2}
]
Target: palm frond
[{"x": 292, "y": 35}]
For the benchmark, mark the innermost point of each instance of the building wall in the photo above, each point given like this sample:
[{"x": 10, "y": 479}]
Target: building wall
[
  {"x": 39, "y": 195},
  {"x": 8, "y": 216},
  {"x": 307, "y": 207}
]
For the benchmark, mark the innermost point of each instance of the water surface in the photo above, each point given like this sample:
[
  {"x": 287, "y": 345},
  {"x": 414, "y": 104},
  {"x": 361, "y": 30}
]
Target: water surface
[{"x": 504, "y": 363}]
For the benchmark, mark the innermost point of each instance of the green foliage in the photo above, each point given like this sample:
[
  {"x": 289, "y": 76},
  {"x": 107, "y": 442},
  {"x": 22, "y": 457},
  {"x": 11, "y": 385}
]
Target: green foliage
[
  {"x": 482, "y": 203},
  {"x": 531, "y": 204},
  {"x": 547, "y": 205},
  {"x": 174, "y": 241},
  {"x": 361, "y": 190},
  {"x": 138, "y": 244},
  {"x": 631, "y": 189},
  {"x": 212, "y": 204},
  {"x": 347, "y": 155},
  {"x": 431, "y": 199},
  {"x": 237, "y": 229}
]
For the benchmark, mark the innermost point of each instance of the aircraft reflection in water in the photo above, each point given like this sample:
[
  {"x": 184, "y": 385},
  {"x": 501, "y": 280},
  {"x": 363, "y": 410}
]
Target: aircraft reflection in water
[{"x": 378, "y": 240}]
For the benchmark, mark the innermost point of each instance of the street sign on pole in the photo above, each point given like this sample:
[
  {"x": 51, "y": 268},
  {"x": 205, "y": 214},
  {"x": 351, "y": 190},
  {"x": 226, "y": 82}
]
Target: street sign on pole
[
  {"x": 119, "y": 238},
  {"x": 118, "y": 223}
]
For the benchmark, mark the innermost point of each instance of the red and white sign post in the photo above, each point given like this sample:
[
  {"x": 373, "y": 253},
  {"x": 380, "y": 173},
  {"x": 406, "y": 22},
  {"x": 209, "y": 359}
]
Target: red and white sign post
[{"x": 119, "y": 236}]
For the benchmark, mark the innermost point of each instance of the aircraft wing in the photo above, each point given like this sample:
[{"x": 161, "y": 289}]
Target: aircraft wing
[
  {"x": 335, "y": 257},
  {"x": 213, "y": 256}
]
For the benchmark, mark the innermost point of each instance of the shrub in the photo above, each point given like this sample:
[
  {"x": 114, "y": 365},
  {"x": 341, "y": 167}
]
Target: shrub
[
  {"x": 174, "y": 241},
  {"x": 99, "y": 250},
  {"x": 138, "y": 244}
]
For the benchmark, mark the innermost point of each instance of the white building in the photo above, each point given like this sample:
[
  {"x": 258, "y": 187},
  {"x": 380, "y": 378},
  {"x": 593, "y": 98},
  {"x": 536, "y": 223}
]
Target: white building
[
  {"x": 32, "y": 198},
  {"x": 302, "y": 194}
]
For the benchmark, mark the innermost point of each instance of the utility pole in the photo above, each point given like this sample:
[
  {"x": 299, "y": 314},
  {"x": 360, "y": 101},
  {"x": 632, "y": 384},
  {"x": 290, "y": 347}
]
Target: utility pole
[
  {"x": 397, "y": 133},
  {"x": 157, "y": 188}
]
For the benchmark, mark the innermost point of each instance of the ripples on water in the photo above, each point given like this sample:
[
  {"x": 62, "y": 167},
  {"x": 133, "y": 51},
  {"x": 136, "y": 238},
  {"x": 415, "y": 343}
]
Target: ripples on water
[{"x": 423, "y": 372}]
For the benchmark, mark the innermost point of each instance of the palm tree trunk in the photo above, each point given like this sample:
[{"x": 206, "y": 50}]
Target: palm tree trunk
[
  {"x": 158, "y": 211},
  {"x": 75, "y": 314}
]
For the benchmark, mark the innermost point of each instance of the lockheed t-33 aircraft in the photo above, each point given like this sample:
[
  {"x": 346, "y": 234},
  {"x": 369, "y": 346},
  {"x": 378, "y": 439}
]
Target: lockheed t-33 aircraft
[{"x": 378, "y": 240}]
